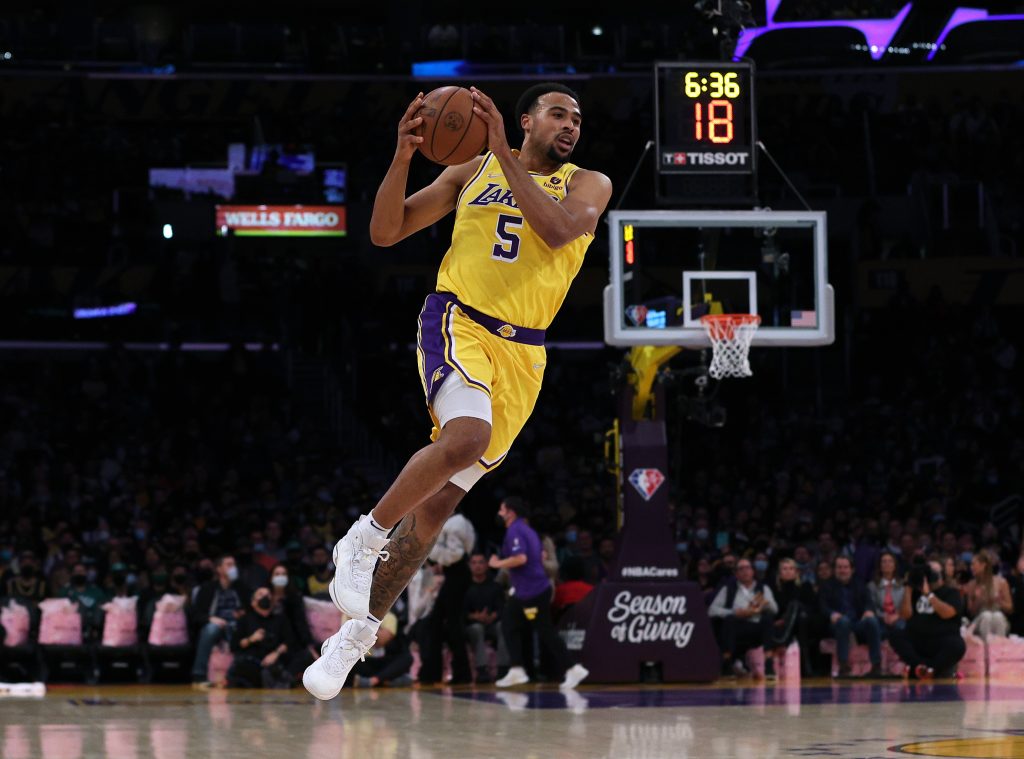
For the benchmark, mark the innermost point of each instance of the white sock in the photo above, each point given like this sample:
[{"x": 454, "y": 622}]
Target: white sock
[
  {"x": 372, "y": 622},
  {"x": 376, "y": 525}
]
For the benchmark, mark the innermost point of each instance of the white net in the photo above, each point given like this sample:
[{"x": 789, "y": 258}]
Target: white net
[{"x": 730, "y": 336}]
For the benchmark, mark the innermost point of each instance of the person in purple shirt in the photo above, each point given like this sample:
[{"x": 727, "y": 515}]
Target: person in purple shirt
[{"x": 529, "y": 599}]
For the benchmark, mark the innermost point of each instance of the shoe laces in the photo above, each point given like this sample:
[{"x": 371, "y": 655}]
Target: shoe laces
[
  {"x": 363, "y": 560},
  {"x": 348, "y": 649}
]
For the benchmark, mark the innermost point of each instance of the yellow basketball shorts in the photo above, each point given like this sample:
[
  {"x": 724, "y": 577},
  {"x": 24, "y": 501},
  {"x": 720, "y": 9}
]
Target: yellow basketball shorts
[{"x": 502, "y": 360}]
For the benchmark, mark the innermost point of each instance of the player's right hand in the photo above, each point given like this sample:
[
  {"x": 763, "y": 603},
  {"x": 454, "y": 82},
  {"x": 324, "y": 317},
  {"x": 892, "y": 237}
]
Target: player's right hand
[{"x": 407, "y": 141}]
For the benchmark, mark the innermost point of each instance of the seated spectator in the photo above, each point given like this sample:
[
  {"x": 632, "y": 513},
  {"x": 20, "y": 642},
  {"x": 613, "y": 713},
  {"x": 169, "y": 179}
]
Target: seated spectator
[
  {"x": 215, "y": 613},
  {"x": 286, "y": 600},
  {"x": 887, "y": 592},
  {"x": 389, "y": 662},
  {"x": 949, "y": 572},
  {"x": 849, "y": 608},
  {"x": 822, "y": 573},
  {"x": 989, "y": 602},
  {"x": 795, "y": 599},
  {"x": 120, "y": 582},
  {"x": 590, "y": 561},
  {"x": 179, "y": 581},
  {"x": 157, "y": 588},
  {"x": 931, "y": 643},
  {"x": 26, "y": 585},
  {"x": 705, "y": 579},
  {"x": 90, "y": 599},
  {"x": 1016, "y": 581},
  {"x": 760, "y": 564},
  {"x": 261, "y": 645},
  {"x": 298, "y": 570},
  {"x": 322, "y": 574},
  {"x": 746, "y": 610},
  {"x": 250, "y": 572},
  {"x": 804, "y": 565},
  {"x": 574, "y": 588},
  {"x": 482, "y": 607}
]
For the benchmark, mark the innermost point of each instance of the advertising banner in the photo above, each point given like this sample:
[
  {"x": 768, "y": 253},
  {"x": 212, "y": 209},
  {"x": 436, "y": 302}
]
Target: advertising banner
[{"x": 294, "y": 221}]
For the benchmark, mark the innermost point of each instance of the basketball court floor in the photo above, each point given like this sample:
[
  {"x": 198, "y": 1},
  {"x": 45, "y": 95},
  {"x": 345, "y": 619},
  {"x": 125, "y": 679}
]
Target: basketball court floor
[{"x": 817, "y": 719}]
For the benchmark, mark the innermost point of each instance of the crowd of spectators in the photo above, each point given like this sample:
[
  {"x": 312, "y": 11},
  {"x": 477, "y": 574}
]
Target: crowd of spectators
[{"x": 130, "y": 474}]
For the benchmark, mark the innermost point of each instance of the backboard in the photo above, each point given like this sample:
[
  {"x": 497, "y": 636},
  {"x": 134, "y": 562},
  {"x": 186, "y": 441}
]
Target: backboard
[{"x": 669, "y": 268}]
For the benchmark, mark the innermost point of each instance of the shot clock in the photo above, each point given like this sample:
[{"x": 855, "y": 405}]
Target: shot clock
[{"x": 705, "y": 118}]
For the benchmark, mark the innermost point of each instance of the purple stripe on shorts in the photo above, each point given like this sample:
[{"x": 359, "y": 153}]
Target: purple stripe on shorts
[{"x": 437, "y": 363}]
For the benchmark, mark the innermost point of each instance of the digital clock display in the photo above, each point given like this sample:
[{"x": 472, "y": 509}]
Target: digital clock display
[{"x": 705, "y": 118}]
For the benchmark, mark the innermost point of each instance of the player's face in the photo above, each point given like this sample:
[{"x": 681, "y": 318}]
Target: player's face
[{"x": 554, "y": 125}]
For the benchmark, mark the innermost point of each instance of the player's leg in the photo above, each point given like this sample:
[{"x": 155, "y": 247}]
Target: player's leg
[
  {"x": 408, "y": 548},
  {"x": 463, "y": 414}
]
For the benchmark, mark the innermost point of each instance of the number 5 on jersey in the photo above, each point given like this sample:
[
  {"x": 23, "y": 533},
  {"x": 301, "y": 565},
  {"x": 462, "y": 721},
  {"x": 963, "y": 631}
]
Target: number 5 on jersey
[{"x": 508, "y": 249}]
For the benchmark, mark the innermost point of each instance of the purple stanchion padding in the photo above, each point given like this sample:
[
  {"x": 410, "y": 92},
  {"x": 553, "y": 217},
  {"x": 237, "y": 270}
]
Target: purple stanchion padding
[{"x": 644, "y": 612}]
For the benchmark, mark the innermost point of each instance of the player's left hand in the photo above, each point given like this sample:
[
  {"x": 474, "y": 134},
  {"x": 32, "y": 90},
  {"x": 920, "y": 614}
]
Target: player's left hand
[
  {"x": 485, "y": 108},
  {"x": 494, "y": 562}
]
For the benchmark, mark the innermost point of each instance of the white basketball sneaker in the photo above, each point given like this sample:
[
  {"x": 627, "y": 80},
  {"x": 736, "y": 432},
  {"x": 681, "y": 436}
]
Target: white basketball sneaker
[
  {"x": 515, "y": 676},
  {"x": 339, "y": 653},
  {"x": 575, "y": 675},
  {"x": 355, "y": 556}
]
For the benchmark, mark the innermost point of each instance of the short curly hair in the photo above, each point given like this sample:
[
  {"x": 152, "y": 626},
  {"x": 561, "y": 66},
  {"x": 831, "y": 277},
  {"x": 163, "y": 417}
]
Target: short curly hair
[{"x": 528, "y": 100}]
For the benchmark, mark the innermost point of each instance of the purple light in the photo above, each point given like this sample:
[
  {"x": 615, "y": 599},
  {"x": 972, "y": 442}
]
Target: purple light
[
  {"x": 103, "y": 312},
  {"x": 878, "y": 32},
  {"x": 963, "y": 16}
]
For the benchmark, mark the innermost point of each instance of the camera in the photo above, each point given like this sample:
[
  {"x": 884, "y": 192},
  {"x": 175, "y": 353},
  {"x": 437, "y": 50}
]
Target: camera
[{"x": 921, "y": 570}]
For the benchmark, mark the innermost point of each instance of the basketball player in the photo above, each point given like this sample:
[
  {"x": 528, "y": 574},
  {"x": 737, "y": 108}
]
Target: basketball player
[{"x": 523, "y": 221}]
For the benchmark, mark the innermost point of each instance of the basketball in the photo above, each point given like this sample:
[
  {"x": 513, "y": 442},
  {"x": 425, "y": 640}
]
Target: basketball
[{"x": 452, "y": 132}]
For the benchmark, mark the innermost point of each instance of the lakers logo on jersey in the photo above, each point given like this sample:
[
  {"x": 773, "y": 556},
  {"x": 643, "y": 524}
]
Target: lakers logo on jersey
[
  {"x": 497, "y": 263},
  {"x": 507, "y": 331},
  {"x": 436, "y": 377}
]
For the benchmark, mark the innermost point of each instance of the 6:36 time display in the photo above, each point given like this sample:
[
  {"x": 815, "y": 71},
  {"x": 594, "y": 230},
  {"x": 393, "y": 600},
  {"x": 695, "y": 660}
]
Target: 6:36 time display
[{"x": 705, "y": 118}]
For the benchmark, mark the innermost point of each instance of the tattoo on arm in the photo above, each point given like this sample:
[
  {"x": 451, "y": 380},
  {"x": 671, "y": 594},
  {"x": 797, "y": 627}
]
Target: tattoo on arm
[{"x": 409, "y": 549}]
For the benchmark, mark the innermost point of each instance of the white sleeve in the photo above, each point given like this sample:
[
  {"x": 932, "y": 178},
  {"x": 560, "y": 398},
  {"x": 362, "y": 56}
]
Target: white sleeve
[
  {"x": 455, "y": 541},
  {"x": 717, "y": 608}
]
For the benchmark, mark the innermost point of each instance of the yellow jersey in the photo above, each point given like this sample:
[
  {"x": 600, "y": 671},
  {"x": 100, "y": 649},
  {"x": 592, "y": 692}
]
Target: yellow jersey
[{"x": 496, "y": 263}]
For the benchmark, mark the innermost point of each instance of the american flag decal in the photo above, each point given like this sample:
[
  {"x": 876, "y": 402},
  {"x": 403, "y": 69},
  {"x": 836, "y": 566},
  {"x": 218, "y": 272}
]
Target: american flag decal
[{"x": 803, "y": 319}]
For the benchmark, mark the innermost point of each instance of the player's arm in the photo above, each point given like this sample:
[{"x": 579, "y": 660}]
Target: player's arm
[
  {"x": 557, "y": 224},
  {"x": 395, "y": 216}
]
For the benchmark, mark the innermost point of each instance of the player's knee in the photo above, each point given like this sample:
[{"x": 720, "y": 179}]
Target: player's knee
[{"x": 465, "y": 442}]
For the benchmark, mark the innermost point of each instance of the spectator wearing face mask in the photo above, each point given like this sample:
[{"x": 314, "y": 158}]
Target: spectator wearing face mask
[
  {"x": 89, "y": 597},
  {"x": 261, "y": 645},
  {"x": 286, "y": 600},
  {"x": 120, "y": 581},
  {"x": 215, "y": 613},
  {"x": 26, "y": 585},
  {"x": 760, "y": 564}
]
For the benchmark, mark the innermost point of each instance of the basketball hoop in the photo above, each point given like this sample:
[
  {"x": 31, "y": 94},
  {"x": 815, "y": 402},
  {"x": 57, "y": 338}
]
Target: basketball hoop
[{"x": 730, "y": 336}]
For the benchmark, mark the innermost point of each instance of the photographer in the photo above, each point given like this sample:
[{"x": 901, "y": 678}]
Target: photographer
[{"x": 931, "y": 642}]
